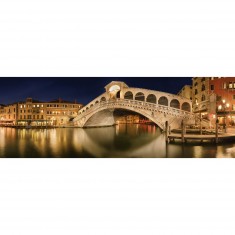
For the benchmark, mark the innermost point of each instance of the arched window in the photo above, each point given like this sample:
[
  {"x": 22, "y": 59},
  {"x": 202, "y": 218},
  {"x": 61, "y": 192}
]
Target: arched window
[
  {"x": 87, "y": 108},
  {"x": 186, "y": 107},
  {"x": 103, "y": 99},
  {"x": 175, "y": 104},
  {"x": 128, "y": 95},
  {"x": 203, "y": 87},
  {"x": 163, "y": 101},
  {"x": 203, "y": 98},
  {"x": 140, "y": 96},
  {"x": 97, "y": 101},
  {"x": 91, "y": 105},
  {"x": 151, "y": 99}
]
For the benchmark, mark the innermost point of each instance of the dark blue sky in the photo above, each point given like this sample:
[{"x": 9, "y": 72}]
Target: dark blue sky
[{"x": 81, "y": 89}]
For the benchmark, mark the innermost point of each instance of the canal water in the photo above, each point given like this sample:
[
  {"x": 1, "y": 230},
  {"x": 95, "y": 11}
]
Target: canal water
[{"x": 127, "y": 141}]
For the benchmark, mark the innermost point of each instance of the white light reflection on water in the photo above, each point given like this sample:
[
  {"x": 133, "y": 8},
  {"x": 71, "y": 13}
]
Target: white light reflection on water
[{"x": 120, "y": 141}]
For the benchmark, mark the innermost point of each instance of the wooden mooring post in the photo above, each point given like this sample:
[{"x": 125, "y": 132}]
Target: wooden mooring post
[
  {"x": 167, "y": 131},
  {"x": 182, "y": 132},
  {"x": 217, "y": 131}
]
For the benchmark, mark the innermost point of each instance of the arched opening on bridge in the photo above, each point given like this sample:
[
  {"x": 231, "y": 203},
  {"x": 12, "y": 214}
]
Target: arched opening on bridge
[
  {"x": 163, "y": 101},
  {"x": 186, "y": 107},
  {"x": 175, "y": 104},
  {"x": 118, "y": 95},
  {"x": 103, "y": 99},
  {"x": 140, "y": 96},
  {"x": 114, "y": 88},
  {"x": 128, "y": 95},
  {"x": 151, "y": 99}
]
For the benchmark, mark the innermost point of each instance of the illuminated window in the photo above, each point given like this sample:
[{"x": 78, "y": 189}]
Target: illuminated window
[
  {"x": 37, "y": 105},
  {"x": 42, "y": 105},
  {"x": 230, "y": 85},
  {"x": 34, "y": 105}
]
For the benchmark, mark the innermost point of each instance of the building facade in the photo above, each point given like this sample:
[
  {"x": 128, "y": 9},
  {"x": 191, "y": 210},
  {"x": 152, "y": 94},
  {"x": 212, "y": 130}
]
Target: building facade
[
  {"x": 37, "y": 113},
  {"x": 214, "y": 97},
  {"x": 8, "y": 114},
  {"x": 224, "y": 89}
]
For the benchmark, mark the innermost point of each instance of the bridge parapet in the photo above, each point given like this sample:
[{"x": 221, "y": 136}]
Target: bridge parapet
[{"x": 155, "y": 112}]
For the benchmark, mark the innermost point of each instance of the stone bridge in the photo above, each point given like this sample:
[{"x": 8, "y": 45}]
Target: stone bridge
[{"x": 159, "y": 107}]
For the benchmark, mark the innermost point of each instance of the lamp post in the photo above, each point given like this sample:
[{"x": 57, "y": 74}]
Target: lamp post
[{"x": 223, "y": 107}]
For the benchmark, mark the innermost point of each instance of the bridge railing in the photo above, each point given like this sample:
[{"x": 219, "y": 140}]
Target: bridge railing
[{"x": 133, "y": 103}]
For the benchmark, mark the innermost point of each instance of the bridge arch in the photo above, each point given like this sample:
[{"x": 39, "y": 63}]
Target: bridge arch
[
  {"x": 128, "y": 95},
  {"x": 186, "y": 107},
  {"x": 175, "y": 104},
  {"x": 151, "y": 99},
  {"x": 140, "y": 96},
  {"x": 145, "y": 113},
  {"x": 163, "y": 101}
]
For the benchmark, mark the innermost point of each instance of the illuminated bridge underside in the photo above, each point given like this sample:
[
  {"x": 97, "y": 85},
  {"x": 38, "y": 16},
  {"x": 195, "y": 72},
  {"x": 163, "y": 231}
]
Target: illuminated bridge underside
[{"x": 158, "y": 107}]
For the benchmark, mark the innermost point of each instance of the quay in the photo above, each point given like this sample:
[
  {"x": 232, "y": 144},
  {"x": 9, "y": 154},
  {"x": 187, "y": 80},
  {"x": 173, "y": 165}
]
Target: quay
[{"x": 189, "y": 138}]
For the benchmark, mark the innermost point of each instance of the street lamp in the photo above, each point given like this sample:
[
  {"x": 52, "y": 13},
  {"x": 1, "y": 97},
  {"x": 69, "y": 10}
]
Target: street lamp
[{"x": 223, "y": 108}]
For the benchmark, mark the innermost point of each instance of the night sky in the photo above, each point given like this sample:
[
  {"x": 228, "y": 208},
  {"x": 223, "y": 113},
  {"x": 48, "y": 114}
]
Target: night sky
[{"x": 81, "y": 89}]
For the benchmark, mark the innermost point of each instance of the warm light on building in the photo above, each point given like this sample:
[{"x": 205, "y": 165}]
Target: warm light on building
[{"x": 37, "y": 113}]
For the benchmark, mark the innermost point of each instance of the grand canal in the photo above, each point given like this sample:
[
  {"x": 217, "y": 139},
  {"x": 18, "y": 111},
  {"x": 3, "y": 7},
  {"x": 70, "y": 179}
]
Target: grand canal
[{"x": 127, "y": 141}]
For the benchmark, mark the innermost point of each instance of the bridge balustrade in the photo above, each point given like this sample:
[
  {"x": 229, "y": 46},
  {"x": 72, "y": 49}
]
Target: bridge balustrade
[{"x": 137, "y": 104}]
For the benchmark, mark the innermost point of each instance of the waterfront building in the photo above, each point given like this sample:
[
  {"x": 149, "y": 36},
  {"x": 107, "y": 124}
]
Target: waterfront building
[
  {"x": 214, "y": 97},
  {"x": 224, "y": 89},
  {"x": 38, "y": 113},
  {"x": 8, "y": 114}
]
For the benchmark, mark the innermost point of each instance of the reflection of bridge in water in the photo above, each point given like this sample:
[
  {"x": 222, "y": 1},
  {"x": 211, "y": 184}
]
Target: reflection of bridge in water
[
  {"x": 159, "y": 107},
  {"x": 116, "y": 142}
]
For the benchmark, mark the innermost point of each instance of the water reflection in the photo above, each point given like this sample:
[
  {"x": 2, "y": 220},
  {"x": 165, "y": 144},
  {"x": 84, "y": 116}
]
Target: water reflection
[{"x": 120, "y": 141}]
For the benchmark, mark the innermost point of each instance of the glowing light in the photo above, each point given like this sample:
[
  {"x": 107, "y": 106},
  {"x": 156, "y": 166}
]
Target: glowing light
[{"x": 114, "y": 88}]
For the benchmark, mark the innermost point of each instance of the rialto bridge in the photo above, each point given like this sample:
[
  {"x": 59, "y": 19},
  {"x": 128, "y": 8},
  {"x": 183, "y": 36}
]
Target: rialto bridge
[{"x": 159, "y": 107}]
